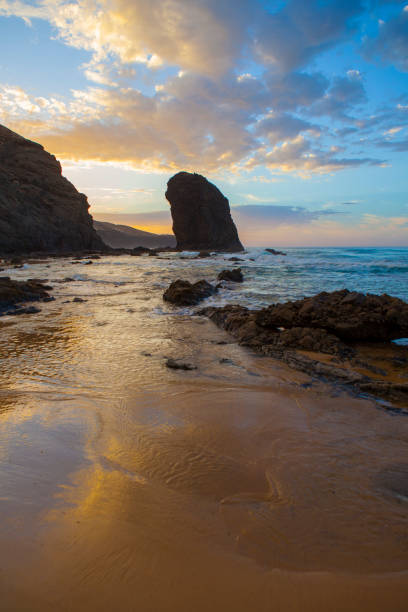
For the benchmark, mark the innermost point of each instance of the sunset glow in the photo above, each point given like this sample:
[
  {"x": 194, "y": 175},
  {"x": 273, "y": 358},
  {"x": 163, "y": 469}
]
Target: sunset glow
[{"x": 307, "y": 122}]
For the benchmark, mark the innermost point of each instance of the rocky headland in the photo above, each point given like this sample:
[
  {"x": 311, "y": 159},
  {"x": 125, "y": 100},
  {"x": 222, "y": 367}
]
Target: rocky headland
[
  {"x": 40, "y": 210},
  {"x": 201, "y": 215}
]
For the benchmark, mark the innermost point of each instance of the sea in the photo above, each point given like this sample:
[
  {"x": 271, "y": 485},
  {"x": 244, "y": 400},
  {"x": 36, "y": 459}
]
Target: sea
[{"x": 269, "y": 278}]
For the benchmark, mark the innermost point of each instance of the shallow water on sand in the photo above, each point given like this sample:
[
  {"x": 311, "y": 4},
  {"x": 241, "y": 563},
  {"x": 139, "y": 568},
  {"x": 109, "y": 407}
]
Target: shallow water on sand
[{"x": 236, "y": 486}]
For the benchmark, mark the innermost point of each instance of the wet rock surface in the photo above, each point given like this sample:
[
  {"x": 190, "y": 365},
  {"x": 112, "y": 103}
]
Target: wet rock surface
[
  {"x": 175, "y": 364},
  {"x": 40, "y": 210},
  {"x": 274, "y": 252},
  {"x": 244, "y": 325},
  {"x": 201, "y": 215},
  {"x": 184, "y": 293},
  {"x": 351, "y": 316},
  {"x": 341, "y": 337},
  {"x": 234, "y": 276},
  {"x": 14, "y": 293}
]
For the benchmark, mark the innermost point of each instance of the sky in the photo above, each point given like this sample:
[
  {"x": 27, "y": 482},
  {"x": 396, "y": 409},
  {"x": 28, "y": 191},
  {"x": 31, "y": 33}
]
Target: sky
[{"x": 297, "y": 110}]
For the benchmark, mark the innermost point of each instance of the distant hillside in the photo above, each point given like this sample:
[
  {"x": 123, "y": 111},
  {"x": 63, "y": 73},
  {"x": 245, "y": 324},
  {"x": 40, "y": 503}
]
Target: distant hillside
[{"x": 123, "y": 236}]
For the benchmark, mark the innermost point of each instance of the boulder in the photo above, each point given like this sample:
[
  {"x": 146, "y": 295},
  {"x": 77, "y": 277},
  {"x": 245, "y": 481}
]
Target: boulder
[
  {"x": 273, "y": 252},
  {"x": 184, "y": 293},
  {"x": 40, "y": 210},
  {"x": 201, "y": 215},
  {"x": 13, "y": 293},
  {"x": 174, "y": 364},
  {"x": 234, "y": 276}
]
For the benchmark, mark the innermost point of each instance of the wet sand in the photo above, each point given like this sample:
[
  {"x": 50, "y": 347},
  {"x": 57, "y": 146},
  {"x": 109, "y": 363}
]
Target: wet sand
[{"x": 242, "y": 485}]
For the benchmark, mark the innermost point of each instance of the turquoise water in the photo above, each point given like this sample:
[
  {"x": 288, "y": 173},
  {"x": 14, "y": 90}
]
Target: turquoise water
[{"x": 307, "y": 271}]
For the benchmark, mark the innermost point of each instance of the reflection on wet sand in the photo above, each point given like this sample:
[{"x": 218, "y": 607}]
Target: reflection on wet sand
[{"x": 128, "y": 486}]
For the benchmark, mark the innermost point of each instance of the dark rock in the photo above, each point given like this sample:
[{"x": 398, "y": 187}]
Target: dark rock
[
  {"x": 139, "y": 251},
  {"x": 203, "y": 255},
  {"x": 201, "y": 215},
  {"x": 27, "y": 310},
  {"x": 242, "y": 324},
  {"x": 13, "y": 293},
  {"x": 299, "y": 332},
  {"x": 235, "y": 259},
  {"x": 179, "y": 365},
  {"x": 234, "y": 275},
  {"x": 184, "y": 293},
  {"x": 78, "y": 300},
  {"x": 40, "y": 210},
  {"x": 273, "y": 252},
  {"x": 351, "y": 316}
]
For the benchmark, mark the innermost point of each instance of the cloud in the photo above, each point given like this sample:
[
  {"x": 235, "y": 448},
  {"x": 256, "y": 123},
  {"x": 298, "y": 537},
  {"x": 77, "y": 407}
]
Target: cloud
[
  {"x": 391, "y": 45},
  {"x": 173, "y": 32},
  {"x": 299, "y": 156},
  {"x": 204, "y": 108},
  {"x": 291, "y": 37},
  {"x": 400, "y": 146},
  {"x": 344, "y": 94},
  {"x": 277, "y": 214},
  {"x": 278, "y": 127},
  {"x": 294, "y": 90}
]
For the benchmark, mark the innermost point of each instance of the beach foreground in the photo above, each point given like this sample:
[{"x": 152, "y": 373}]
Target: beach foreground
[{"x": 240, "y": 485}]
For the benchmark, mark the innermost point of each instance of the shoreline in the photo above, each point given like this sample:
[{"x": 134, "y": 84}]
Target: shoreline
[{"x": 240, "y": 485}]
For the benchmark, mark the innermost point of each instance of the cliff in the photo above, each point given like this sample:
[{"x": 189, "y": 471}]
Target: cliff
[{"x": 40, "y": 210}]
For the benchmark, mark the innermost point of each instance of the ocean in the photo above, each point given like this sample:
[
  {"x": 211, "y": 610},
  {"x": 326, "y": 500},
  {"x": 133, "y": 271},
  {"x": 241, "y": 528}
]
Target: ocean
[{"x": 268, "y": 278}]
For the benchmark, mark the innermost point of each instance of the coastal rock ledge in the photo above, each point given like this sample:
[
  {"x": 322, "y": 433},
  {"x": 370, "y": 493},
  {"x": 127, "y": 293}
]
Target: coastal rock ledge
[
  {"x": 201, "y": 215},
  {"x": 40, "y": 210}
]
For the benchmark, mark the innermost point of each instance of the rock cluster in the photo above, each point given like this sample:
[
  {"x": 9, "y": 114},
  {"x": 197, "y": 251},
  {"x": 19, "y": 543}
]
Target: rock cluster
[
  {"x": 339, "y": 324},
  {"x": 201, "y": 215},
  {"x": 40, "y": 210},
  {"x": 351, "y": 316},
  {"x": 184, "y": 293},
  {"x": 235, "y": 275},
  {"x": 14, "y": 293},
  {"x": 323, "y": 323},
  {"x": 244, "y": 325}
]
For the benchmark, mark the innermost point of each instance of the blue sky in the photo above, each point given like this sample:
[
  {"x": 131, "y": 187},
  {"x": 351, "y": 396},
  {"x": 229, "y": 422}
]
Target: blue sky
[{"x": 297, "y": 110}]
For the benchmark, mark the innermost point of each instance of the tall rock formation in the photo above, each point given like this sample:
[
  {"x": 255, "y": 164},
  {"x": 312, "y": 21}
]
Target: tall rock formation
[
  {"x": 40, "y": 210},
  {"x": 201, "y": 215}
]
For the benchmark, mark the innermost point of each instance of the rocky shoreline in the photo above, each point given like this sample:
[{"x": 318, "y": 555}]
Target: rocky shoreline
[{"x": 341, "y": 337}]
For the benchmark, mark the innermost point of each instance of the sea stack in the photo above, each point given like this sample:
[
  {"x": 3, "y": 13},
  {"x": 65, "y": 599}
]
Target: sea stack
[
  {"x": 201, "y": 215},
  {"x": 40, "y": 210}
]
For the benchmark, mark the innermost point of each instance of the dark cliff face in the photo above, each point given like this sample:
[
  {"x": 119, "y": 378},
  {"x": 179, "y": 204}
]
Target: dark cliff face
[
  {"x": 201, "y": 215},
  {"x": 40, "y": 210}
]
